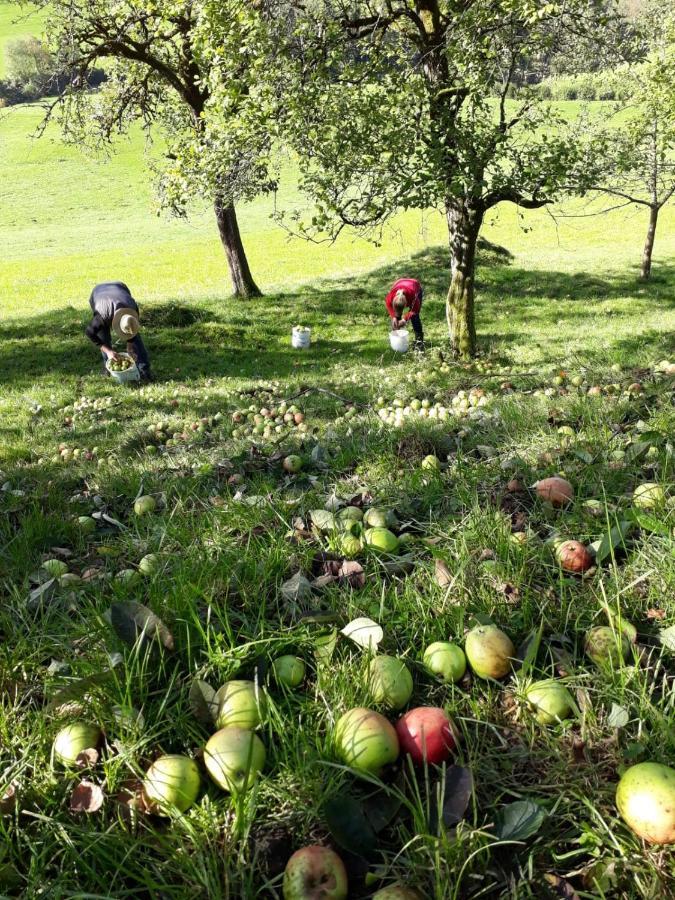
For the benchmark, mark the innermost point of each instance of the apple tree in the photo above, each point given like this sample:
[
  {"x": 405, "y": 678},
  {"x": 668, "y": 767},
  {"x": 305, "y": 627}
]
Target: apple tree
[
  {"x": 407, "y": 104},
  {"x": 188, "y": 83}
]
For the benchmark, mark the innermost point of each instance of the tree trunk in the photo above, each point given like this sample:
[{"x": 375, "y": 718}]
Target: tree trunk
[
  {"x": 646, "y": 269},
  {"x": 464, "y": 223},
  {"x": 242, "y": 280}
]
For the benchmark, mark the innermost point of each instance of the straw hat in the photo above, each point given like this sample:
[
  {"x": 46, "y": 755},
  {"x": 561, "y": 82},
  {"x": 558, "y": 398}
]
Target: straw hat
[{"x": 125, "y": 323}]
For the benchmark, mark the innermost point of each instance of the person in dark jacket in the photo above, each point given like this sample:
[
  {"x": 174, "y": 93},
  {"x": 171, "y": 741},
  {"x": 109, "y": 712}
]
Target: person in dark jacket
[
  {"x": 116, "y": 312},
  {"x": 406, "y": 294}
]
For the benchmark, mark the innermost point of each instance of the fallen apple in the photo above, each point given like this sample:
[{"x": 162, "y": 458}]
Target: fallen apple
[
  {"x": 150, "y": 564},
  {"x": 145, "y": 505},
  {"x": 233, "y": 758},
  {"x": 292, "y": 464},
  {"x": 551, "y": 701},
  {"x": 397, "y": 892},
  {"x": 649, "y": 495},
  {"x": 55, "y": 567},
  {"x": 489, "y": 651},
  {"x": 289, "y": 671},
  {"x": 431, "y": 463},
  {"x": 377, "y": 517},
  {"x": 315, "y": 873},
  {"x": 86, "y": 524},
  {"x": 350, "y": 514},
  {"x": 445, "y": 660},
  {"x": 574, "y": 557},
  {"x": 645, "y": 797},
  {"x": 240, "y": 704},
  {"x": 607, "y": 647},
  {"x": 426, "y": 733},
  {"x": 73, "y": 739},
  {"x": 172, "y": 781},
  {"x": 389, "y": 681},
  {"x": 350, "y": 546},
  {"x": 366, "y": 741},
  {"x": 381, "y": 540},
  {"x": 556, "y": 491}
]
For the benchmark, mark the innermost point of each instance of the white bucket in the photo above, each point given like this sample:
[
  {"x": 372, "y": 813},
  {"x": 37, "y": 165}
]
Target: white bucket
[
  {"x": 301, "y": 338},
  {"x": 131, "y": 374},
  {"x": 399, "y": 340}
]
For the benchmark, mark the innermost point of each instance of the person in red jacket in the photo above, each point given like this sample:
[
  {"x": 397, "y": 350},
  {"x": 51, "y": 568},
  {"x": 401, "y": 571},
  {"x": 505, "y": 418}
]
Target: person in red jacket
[{"x": 406, "y": 294}]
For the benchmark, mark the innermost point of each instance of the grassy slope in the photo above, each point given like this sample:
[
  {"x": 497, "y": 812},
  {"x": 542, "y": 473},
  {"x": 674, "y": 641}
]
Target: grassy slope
[{"x": 567, "y": 296}]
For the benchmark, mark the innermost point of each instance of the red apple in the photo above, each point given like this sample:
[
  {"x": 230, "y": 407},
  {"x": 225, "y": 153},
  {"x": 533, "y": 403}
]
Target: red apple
[
  {"x": 558, "y": 491},
  {"x": 574, "y": 557},
  {"x": 426, "y": 732}
]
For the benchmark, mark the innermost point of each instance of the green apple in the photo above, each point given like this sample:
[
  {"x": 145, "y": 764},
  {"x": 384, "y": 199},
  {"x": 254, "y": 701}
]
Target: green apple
[
  {"x": 366, "y": 741},
  {"x": 350, "y": 514},
  {"x": 289, "y": 671},
  {"x": 381, "y": 540},
  {"x": 550, "y": 700},
  {"x": 607, "y": 647},
  {"x": 172, "y": 781},
  {"x": 234, "y": 757},
  {"x": 489, "y": 651},
  {"x": 397, "y": 892},
  {"x": 145, "y": 505},
  {"x": 432, "y": 463},
  {"x": 150, "y": 564},
  {"x": 86, "y": 524},
  {"x": 350, "y": 546},
  {"x": 645, "y": 797},
  {"x": 55, "y": 567},
  {"x": 241, "y": 704},
  {"x": 649, "y": 495},
  {"x": 445, "y": 660},
  {"x": 377, "y": 517},
  {"x": 73, "y": 740},
  {"x": 128, "y": 577},
  {"x": 315, "y": 873},
  {"x": 389, "y": 681},
  {"x": 292, "y": 464}
]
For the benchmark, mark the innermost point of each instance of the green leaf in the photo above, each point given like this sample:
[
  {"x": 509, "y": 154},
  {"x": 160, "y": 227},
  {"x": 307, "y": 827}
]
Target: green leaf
[
  {"x": 648, "y": 522},
  {"x": 519, "y": 821},
  {"x": 325, "y": 646},
  {"x": 614, "y": 539},
  {"x": 347, "y": 823},
  {"x": 203, "y": 702},
  {"x": 134, "y": 622},
  {"x": 529, "y": 648},
  {"x": 77, "y": 689},
  {"x": 365, "y": 633}
]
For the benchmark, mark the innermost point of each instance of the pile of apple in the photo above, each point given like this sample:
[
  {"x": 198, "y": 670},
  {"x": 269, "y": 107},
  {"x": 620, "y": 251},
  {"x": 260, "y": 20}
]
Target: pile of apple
[
  {"x": 68, "y": 454},
  {"x": 268, "y": 421},
  {"x": 350, "y": 530},
  {"x": 170, "y": 434},
  {"x": 121, "y": 364},
  {"x": 464, "y": 404}
]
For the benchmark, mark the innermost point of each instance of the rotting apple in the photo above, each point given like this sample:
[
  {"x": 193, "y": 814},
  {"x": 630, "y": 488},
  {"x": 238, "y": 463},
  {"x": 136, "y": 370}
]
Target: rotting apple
[
  {"x": 574, "y": 557},
  {"x": 315, "y": 873}
]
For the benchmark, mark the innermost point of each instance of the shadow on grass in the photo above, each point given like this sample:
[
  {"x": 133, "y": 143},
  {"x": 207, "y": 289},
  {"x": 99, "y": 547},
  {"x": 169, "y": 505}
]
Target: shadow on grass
[{"x": 252, "y": 339}]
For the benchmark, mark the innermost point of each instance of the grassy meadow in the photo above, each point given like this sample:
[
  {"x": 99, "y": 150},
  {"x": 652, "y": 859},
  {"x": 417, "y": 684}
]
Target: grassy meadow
[{"x": 568, "y": 383}]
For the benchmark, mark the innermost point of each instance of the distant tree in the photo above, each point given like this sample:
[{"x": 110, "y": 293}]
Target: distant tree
[
  {"x": 164, "y": 71},
  {"x": 638, "y": 148},
  {"x": 405, "y": 104},
  {"x": 30, "y": 67}
]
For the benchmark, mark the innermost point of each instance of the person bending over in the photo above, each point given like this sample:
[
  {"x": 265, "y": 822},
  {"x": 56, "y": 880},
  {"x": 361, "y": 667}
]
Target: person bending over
[
  {"x": 116, "y": 312},
  {"x": 407, "y": 294}
]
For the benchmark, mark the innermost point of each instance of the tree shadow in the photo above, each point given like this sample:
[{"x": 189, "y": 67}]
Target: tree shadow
[{"x": 252, "y": 339}]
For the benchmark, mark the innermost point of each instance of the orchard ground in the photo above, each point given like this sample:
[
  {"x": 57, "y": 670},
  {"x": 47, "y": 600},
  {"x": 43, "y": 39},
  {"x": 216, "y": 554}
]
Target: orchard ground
[{"x": 567, "y": 298}]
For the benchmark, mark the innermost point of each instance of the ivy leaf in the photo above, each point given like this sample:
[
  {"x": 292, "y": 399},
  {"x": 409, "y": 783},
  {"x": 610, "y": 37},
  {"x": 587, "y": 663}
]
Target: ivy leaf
[
  {"x": 519, "y": 821},
  {"x": 349, "y": 826},
  {"x": 133, "y": 622}
]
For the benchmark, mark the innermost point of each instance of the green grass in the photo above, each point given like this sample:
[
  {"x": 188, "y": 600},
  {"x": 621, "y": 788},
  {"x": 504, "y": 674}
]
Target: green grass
[{"x": 568, "y": 297}]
